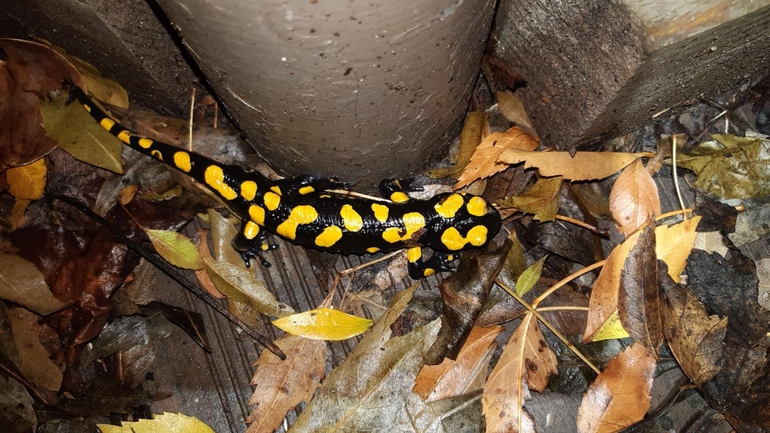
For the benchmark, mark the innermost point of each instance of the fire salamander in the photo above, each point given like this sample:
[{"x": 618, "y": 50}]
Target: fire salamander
[{"x": 302, "y": 211}]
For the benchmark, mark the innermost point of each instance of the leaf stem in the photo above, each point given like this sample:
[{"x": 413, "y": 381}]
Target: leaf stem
[
  {"x": 585, "y": 225},
  {"x": 548, "y": 325},
  {"x": 566, "y": 280}
]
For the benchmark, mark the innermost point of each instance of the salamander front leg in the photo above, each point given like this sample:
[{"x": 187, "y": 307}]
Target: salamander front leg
[
  {"x": 396, "y": 190},
  {"x": 250, "y": 243},
  {"x": 438, "y": 262}
]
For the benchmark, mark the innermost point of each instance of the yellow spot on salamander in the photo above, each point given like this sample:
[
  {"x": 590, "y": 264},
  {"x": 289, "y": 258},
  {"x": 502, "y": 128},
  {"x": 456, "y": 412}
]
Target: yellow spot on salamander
[
  {"x": 145, "y": 143},
  {"x": 450, "y": 257},
  {"x": 182, "y": 161},
  {"x": 250, "y": 230},
  {"x": 124, "y": 136},
  {"x": 413, "y": 222},
  {"x": 299, "y": 215},
  {"x": 107, "y": 123},
  {"x": 156, "y": 153},
  {"x": 477, "y": 206},
  {"x": 87, "y": 107},
  {"x": 427, "y": 272},
  {"x": 453, "y": 240},
  {"x": 257, "y": 214},
  {"x": 276, "y": 189},
  {"x": 248, "y": 190},
  {"x": 272, "y": 200},
  {"x": 380, "y": 212},
  {"x": 449, "y": 207},
  {"x": 215, "y": 178},
  {"x": 351, "y": 218},
  {"x": 414, "y": 254},
  {"x": 399, "y": 197},
  {"x": 306, "y": 190},
  {"x": 329, "y": 236},
  {"x": 372, "y": 250}
]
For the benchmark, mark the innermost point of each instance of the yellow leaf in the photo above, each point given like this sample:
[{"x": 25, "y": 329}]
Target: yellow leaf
[
  {"x": 176, "y": 248},
  {"x": 323, "y": 324},
  {"x": 674, "y": 243},
  {"x": 611, "y": 329},
  {"x": 28, "y": 181},
  {"x": 165, "y": 423},
  {"x": 583, "y": 166},
  {"x": 634, "y": 198},
  {"x": 474, "y": 130},
  {"x": 484, "y": 162}
]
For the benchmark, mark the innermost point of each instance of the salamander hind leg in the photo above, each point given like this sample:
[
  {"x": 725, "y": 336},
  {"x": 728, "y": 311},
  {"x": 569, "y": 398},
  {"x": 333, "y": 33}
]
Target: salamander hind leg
[
  {"x": 250, "y": 243},
  {"x": 438, "y": 262},
  {"x": 396, "y": 190}
]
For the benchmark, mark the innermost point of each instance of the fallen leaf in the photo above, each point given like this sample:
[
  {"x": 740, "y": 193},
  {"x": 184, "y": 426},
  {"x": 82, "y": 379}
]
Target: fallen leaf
[
  {"x": 526, "y": 362},
  {"x": 640, "y": 305},
  {"x": 512, "y": 108},
  {"x": 730, "y": 167},
  {"x": 28, "y": 181},
  {"x": 529, "y": 277},
  {"x": 583, "y": 166},
  {"x": 127, "y": 194},
  {"x": 620, "y": 395},
  {"x": 201, "y": 274},
  {"x": 372, "y": 389},
  {"x": 323, "y": 324},
  {"x": 32, "y": 358},
  {"x": 239, "y": 284},
  {"x": 165, "y": 423},
  {"x": 634, "y": 198},
  {"x": 604, "y": 295},
  {"x": 674, "y": 243},
  {"x": 280, "y": 385},
  {"x": 540, "y": 199},
  {"x": 695, "y": 338},
  {"x": 462, "y": 375},
  {"x": 16, "y": 406},
  {"x": 22, "y": 283},
  {"x": 17, "y": 213},
  {"x": 176, "y": 248},
  {"x": 484, "y": 162},
  {"x": 78, "y": 133},
  {"x": 710, "y": 242},
  {"x": 474, "y": 130}
]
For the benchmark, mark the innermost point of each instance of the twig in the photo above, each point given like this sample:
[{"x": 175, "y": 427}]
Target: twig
[
  {"x": 176, "y": 275},
  {"x": 676, "y": 179},
  {"x": 548, "y": 325},
  {"x": 566, "y": 280},
  {"x": 585, "y": 225}
]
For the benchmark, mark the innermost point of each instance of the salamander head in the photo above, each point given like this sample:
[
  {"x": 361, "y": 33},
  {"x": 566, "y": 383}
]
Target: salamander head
[{"x": 463, "y": 221}]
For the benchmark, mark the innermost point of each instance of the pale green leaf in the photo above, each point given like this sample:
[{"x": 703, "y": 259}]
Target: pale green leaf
[
  {"x": 323, "y": 324},
  {"x": 78, "y": 133},
  {"x": 239, "y": 283},
  {"x": 176, "y": 248},
  {"x": 529, "y": 277}
]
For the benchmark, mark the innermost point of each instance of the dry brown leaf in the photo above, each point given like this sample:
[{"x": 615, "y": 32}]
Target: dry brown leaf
[
  {"x": 484, "y": 162},
  {"x": 583, "y": 166},
  {"x": 201, "y": 274},
  {"x": 640, "y": 306},
  {"x": 620, "y": 395},
  {"x": 32, "y": 358},
  {"x": 634, "y": 198},
  {"x": 604, "y": 295},
  {"x": 695, "y": 338},
  {"x": 281, "y": 385},
  {"x": 512, "y": 108},
  {"x": 474, "y": 130},
  {"x": 452, "y": 378},
  {"x": 526, "y": 362},
  {"x": 540, "y": 199},
  {"x": 674, "y": 243}
]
